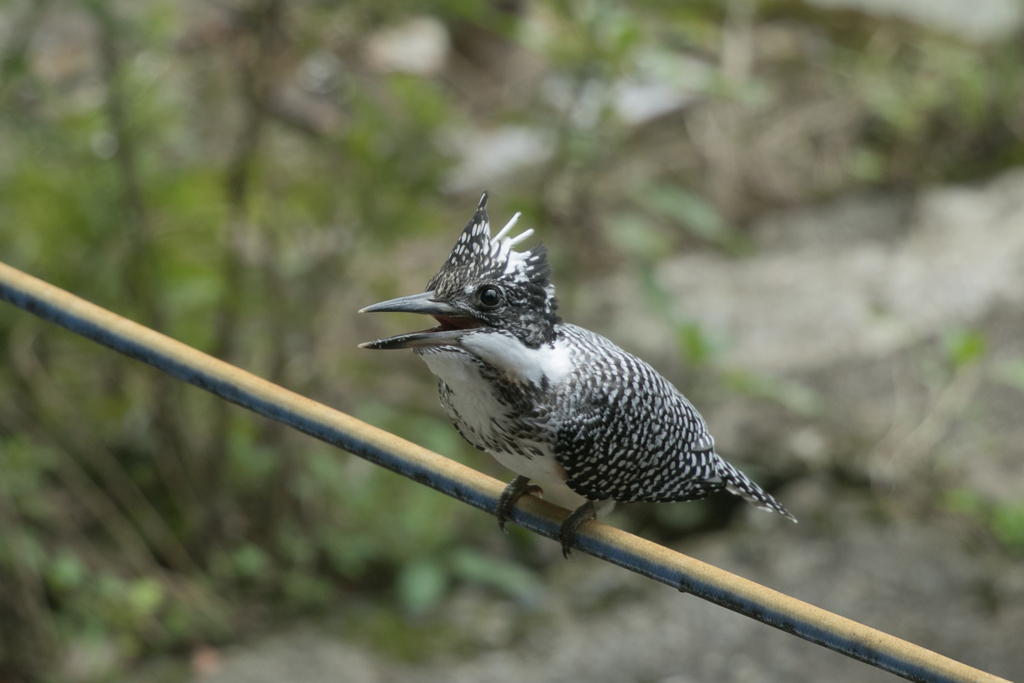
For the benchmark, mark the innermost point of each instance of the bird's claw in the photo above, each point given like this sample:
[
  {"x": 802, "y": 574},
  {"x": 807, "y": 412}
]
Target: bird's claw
[
  {"x": 516, "y": 489},
  {"x": 567, "y": 532}
]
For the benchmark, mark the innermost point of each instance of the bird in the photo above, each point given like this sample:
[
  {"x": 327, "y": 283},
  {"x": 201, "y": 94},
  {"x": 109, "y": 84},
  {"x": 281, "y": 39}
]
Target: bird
[{"x": 555, "y": 403}]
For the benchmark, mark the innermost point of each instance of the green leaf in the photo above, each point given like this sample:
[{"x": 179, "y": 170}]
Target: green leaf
[
  {"x": 695, "y": 345},
  {"x": 421, "y": 586},
  {"x": 794, "y": 396},
  {"x": 66, "y": 571},
  {"x": 867, "y": 165},
  {"x": 250, "y": 561},
  {"x": 965, "y": 347},
  {"x": 695, "y": 214},
  {"x": 145, "y": 596},
  {"x": 635, "y": 235},
  {"x": 1008, "y": 525},
  {"x": 293, "y": 544},
  {"x": 965, "y": 502},
  {"x": 307, "y": 589},
  {"x": 350, "y": 552},
  {"x": 506, "y": 576}
]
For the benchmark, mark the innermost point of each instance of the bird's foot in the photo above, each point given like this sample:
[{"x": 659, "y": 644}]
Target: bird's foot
[
  {"x": 516, "y": 489},
  {"x": 567, "y": 534}
]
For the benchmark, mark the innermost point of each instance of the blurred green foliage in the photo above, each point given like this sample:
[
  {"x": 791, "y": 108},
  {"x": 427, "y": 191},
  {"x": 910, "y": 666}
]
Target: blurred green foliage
[
  {"x": 244, "y": 176},
  {"x": 964, "y": 347},
  {"x": 1003, "y": 519}
]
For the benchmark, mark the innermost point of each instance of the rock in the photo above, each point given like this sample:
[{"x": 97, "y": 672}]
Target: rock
[
  {"x": 300, "y": 655},
  {"x": 487, "y": 156},
  {"x": 877, "y": 278},
  {"x": 418, "y": 46},
  {"x": 979, "y": 21}
]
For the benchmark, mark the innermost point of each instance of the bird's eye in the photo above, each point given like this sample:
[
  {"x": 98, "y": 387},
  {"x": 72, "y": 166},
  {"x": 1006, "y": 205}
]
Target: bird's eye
[{"x": 489, "y": 296}]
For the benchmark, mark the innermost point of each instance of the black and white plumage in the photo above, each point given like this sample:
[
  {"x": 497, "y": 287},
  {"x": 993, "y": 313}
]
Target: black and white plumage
[{"x": 551, "y": 401}]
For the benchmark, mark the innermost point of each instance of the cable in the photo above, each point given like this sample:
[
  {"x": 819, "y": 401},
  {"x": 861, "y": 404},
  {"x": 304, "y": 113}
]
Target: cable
[{"x": 474, "y": 488}]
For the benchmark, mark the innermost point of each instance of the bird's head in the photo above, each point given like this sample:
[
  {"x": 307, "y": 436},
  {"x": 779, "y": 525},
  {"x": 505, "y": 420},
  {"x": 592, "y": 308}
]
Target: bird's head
[{"x": 483, "y": 287}]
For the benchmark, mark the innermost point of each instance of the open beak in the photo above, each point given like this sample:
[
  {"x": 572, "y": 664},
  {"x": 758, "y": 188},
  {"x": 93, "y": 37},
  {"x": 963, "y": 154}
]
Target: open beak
[{"x": 453, "y": 322}]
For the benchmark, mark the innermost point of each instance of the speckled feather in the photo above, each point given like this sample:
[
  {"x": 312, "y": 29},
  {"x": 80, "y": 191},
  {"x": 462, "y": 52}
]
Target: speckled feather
[
  {"x": 476, "y": 257},
  {"x": 551, "y": 399}
]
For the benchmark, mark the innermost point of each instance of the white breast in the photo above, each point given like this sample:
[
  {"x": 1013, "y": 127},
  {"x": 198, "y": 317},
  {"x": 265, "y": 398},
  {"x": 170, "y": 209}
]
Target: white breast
[
  {"x": 478, "y": 410},
  {"x": 471, "y": 395},
  {"x": 519, "y": 362}
]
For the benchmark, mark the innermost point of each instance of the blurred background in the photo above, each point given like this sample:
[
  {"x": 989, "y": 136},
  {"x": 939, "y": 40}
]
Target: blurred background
[{"x": 808, "y": 215}]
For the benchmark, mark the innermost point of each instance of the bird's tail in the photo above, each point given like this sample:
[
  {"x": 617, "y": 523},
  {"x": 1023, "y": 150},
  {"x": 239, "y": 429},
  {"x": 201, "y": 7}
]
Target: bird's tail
[{"x": 739, "y": 484}]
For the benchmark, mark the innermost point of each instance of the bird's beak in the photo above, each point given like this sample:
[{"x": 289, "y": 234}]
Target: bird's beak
[
  {"x": 416, "y": 303},
  {"x": 454, "y": 322}
]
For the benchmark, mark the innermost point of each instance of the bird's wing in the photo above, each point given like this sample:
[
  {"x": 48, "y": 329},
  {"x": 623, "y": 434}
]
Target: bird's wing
[{"x": 628, "y": 434}]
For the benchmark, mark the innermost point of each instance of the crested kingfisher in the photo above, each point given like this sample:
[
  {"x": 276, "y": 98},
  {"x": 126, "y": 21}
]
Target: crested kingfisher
[{"x": 553, "y": 402}]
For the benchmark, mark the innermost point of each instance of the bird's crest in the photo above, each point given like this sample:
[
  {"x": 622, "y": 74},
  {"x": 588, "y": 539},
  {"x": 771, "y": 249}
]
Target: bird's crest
[{"x": 477, "y": 256}]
